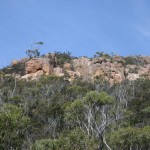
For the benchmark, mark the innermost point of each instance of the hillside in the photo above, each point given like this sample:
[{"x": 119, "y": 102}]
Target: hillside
[{"x": 61, "y": 102}]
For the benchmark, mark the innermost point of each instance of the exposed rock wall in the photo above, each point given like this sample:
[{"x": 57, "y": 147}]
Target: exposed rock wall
[
  {"x": 111, "y": 69},
  {"x": 35, "y": 64},
  {"x": 37, "y": 67}
]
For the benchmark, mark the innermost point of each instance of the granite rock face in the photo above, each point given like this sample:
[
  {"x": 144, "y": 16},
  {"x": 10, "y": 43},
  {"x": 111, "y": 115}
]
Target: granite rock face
[
  {"x": 37, "y": 67},
  {"x": 36, "y": 64},
  {"x": 99, "y": 67},
  {"x": 114, "y": 69},
  {"x": 58, "y": 71}
]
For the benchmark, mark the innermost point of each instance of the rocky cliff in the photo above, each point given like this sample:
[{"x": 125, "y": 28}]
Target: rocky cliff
[{"x": 113, "y": 69}]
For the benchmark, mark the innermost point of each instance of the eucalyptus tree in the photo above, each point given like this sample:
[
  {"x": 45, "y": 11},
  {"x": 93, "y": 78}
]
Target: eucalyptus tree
[
  {"x": 92, "y": 114},
  {"x": 13, "y": 125},
  {"x": 34, "y": 51}
]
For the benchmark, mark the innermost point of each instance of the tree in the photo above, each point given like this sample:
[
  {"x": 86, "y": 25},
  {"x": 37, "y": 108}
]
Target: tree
[
  {"x": 34, "y": 51},
  {"x": 63, "y": 57},
  {"x": 139, "y": 107},
  {"x": 13, "y": 125},
  {"x": 98, "y": 114},
  {"x": 92, "y": 114},
  {"x": 130, "y": 138},
  {"x": 72, "y": 140}
]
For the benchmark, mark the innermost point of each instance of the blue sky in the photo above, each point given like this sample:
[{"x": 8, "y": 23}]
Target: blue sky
[{"x": 79, "y": 26}]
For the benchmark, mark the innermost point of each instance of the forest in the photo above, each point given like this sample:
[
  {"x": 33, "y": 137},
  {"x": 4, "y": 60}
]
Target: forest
[{"x": 54, "y": 114}]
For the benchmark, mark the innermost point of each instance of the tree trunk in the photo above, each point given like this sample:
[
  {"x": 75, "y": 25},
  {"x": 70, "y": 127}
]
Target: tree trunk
[{"x": 101, "y": 144}]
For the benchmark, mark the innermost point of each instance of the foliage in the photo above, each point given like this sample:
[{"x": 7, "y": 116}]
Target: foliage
[
  {"x": 73, "y": 140},
  {"x": 13, "y": 125},
  {"x": 19, "y": 68},
  {"x": 91, "y": 114},
  {"x": 101, "y": 98},
  {"x": 134, "y": 60},
  {"x": 139, "y": 106},
  {"x": 48, "y": 144},
  {"x": 34, "y": 51},
  {"x": 63, "y": 57},
  {"x": 130, "y": 138},
  {"x": 52, "y": 113},
  {"x": 101, "y": 54}
]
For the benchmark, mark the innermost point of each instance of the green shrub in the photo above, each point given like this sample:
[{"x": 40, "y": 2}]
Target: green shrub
[
  {"x": 130, "y": 138},
  {"x": 63, "y": 57}
]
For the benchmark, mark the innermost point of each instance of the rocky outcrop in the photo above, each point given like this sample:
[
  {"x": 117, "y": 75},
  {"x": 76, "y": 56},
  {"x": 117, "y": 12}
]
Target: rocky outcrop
[
  {"x": 112, "y": 69},
  {"x": 134, "y": 72},
  {"x": 82, "y": 67},
  {"x": 36, "y": 64},
  {"x": 52, "y": 58},
  {"x": 99, "y": 67},
  {"x": 67, "y": 66},
  {"x": 37, "y": 67},
  {"x": 15, "y": 62},
  {"x": 58, "y": 72},
  {"x": 146, "y": 59}
]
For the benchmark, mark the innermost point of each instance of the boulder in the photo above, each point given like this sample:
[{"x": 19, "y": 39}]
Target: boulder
[
  {"x": 147, "y": 59},
  {"x": 72, "y": 75},
  {"x": 52, "y": 58},
  {"x": 58, "y": 71},
  {"x": 67, "y": 66},
  {"x": 35, "y": 64},
  {"x": 38, "y": 74},
  {"x": 33, "y": 76},
  {"x": 27, "y": 77}
]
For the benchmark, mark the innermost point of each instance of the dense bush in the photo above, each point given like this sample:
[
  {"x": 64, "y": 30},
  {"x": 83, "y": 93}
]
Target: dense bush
[
  {"x": 63, "y": 57},
  {"x": 73, "y": 140},
  {"x": 52, "y": 113},
  {"x": 130, "y": 138},
  {"x": 13, "y": 125},
  {"x": 134, "y": 60}
]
